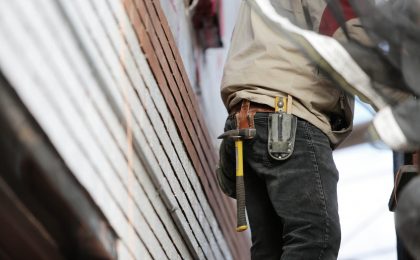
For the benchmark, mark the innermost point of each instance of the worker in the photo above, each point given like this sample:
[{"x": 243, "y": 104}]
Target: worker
[{"x": 291, "y": 196}]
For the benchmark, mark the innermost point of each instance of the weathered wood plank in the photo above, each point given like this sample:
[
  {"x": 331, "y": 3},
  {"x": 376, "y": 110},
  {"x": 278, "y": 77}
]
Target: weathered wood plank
[
  {"x": 155, "y": 43},
  {"x": 180, "y": 75},
  {"x": 173, "y": 54},
  {"x": 136, "y": 131},
  {"x": 34, "y": 52},
  {"x": 176, "y": 90},
  {"x": 165, "y": 242},
  {"x": 151, "y": 111},
  {"x": 153, "y": 62},
  {"x": 148, "y": 112},
  {"x": 123, "y": 252},
  {"x": 23, "y": 80},
  {"x": 151, "y": 134},
  {"x": 100, "y": 193},
  {"x": 82, "y": 61},
  {"x": 170, "y": 127},
  {"x": 94, "y": 127}
]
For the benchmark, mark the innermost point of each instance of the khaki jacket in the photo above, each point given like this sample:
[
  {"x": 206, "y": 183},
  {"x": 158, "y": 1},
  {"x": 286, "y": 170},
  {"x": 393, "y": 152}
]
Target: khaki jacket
[{"x": 263, "y": 64}]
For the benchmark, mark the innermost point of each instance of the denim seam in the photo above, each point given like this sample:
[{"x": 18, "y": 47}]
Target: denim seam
[
  {"x": 265, "y": 158},
  {"x": 309, "y": 139}
]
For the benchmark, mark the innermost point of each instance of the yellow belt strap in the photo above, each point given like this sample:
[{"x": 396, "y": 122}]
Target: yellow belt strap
[{"x": 285, "y": 104}]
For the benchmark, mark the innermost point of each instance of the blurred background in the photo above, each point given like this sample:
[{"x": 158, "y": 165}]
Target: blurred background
[{"x": 364, "y": 189}]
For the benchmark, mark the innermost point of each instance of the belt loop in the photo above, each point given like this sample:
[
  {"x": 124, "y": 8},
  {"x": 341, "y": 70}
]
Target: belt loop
[{"x": 289, "y": 104}]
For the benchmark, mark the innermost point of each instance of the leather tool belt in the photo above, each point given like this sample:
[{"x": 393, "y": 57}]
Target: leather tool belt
[
  {"x": 252, "y": 107},
  {"x": 281, "y": 126},
  {"x": 244, "y": 113}
]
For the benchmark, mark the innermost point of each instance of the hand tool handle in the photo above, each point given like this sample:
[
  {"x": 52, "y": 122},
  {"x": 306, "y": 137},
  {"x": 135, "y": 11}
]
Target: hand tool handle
[{"x": 240, "y": 188}]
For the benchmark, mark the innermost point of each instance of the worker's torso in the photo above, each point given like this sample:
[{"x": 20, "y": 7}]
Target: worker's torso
[{"x": 262, "y": 64}]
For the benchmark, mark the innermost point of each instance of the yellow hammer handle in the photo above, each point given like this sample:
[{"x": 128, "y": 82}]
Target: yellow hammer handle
[{"x": 240, "y": 188}]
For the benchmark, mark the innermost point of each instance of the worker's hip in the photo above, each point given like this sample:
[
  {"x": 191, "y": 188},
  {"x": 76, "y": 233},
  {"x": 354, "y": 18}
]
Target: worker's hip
[
  {"x": 307, "y": 138},
  {"x": 310, "y": 144},
  {"x": 301, "y": 190}
]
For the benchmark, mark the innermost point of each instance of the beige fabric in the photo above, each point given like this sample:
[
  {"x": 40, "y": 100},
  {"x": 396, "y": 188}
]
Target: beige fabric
[
  {"x": 355, "y": 32},
  {"x": 262, "y": 64}
]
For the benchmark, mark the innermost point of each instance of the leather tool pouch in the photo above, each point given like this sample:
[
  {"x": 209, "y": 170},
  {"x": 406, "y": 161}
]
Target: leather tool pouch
[{"x": 281, "y": 135}]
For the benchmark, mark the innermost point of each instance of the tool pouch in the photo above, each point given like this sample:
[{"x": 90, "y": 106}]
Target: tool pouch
[{"x": 281, "y": 135}]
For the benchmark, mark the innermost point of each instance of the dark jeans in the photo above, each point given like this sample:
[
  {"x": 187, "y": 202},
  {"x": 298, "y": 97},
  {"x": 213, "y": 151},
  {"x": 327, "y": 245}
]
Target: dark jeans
[{"x": 291, "y": 205}]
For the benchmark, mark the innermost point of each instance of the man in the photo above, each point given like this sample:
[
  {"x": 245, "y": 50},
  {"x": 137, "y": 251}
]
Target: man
[{"x": 291, "y": 203}]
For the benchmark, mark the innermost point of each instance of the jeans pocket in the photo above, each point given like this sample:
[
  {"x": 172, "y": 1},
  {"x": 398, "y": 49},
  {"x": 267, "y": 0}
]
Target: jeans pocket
[{"x": 258, "y": 145}]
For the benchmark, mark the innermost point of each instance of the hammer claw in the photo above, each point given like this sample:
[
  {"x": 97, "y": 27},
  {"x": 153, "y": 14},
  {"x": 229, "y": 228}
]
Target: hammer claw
[{"x": 244, "y": 133}]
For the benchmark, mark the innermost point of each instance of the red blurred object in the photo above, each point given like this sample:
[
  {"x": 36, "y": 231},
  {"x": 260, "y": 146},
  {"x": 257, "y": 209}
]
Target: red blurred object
[{"x": 206, "y": 23}]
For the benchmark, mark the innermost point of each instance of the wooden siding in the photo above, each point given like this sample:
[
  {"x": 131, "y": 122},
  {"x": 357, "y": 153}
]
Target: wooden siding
[
  {"x": 163, "y": 56},
  {"x": 127, "y": 126}
]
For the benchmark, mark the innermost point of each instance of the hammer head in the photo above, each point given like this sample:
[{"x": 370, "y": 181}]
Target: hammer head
[{"x": 244, "y": 133}]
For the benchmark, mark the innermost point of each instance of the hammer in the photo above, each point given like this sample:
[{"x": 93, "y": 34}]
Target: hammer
[{"x": 239, "y": 135}]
